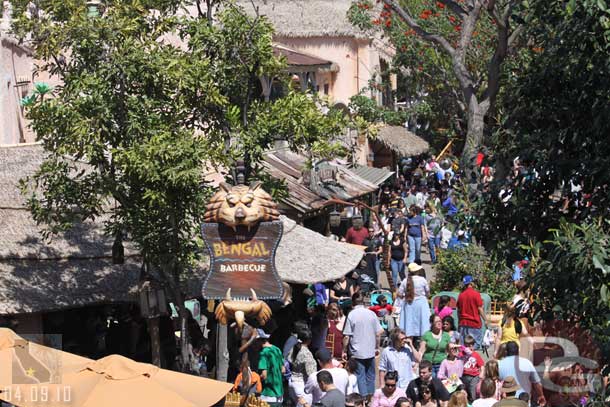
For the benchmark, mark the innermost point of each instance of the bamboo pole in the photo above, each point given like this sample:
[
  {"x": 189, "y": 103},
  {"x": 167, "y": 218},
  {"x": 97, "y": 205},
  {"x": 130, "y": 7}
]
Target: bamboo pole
[{"x": 438, "y": 157}]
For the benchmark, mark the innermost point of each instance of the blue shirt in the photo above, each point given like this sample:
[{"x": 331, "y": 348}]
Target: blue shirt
[
  {"x": 415, "y": 224},
  {"x": 451, "y": 208},
  {"x": 399, "y": 360}
]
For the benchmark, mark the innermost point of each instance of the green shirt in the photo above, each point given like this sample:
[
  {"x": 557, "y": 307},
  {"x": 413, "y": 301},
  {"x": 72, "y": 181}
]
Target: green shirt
[
  {"x": 435, "y": 349},
  {"x": 271, "y": 360}
]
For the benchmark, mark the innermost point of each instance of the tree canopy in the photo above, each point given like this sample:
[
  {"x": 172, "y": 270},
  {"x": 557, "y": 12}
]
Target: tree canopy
[
  {"x": 450, "y": 54},
  {"x": 553, "y": 205}
]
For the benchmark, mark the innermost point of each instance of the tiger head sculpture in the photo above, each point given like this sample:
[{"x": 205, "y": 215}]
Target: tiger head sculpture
[{"x": 241, "y": 205}]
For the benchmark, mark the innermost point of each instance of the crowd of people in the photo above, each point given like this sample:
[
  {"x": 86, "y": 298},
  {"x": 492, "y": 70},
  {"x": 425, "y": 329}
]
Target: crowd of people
[{"x": 398, "y": 350}]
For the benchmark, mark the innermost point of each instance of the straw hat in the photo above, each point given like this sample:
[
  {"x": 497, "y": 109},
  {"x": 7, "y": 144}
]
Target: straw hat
[{"x": 510, "y": 385}]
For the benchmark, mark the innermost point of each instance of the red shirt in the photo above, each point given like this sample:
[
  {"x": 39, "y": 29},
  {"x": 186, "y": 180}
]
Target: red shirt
[
  {"x": 468, "y": 304},
  {"x": 377, "y": 308},
  {"x": 356, "y": 236},
  {"x": 480, "y": 157},
  {"x": 473, "y": 364}
]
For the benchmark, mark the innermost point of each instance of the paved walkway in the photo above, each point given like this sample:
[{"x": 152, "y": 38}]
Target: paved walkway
[{"x": 426, "y": 263}]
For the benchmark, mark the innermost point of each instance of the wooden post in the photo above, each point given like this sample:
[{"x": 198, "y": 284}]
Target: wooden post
[
  {"x": 438, "y": 157},
  {"x": 222, "y": 353},
  {"x": 155, "y": 341}
]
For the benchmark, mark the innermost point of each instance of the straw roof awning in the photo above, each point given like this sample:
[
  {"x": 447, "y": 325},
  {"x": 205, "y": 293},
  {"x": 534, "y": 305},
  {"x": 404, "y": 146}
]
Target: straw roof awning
[
  {"x": 306, "y": 257},
  {"x": 402, "y": 141},
  {"x": 285, "y": 165},
  {"x": 374, "y": 175},
  {"x": 75, "y": 268},
  {"x": 301, "y": 62}
]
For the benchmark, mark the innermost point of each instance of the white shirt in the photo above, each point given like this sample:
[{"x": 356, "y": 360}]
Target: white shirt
[
  {"x": 484, "y": 402},
  {"x": 340, "y": 380},
  {"x": 352, "y": 385}
]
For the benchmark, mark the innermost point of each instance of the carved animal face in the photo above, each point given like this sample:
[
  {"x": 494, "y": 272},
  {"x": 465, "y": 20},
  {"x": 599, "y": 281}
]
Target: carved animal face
[{"x": 241, "y": 205}]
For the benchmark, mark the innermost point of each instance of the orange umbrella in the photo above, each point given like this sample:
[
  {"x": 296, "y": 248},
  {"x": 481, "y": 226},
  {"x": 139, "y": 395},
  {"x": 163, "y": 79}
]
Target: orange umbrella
[{"x": 111, "y": 381}]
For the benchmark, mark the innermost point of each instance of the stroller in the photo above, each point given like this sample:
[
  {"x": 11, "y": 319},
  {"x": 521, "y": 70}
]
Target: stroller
[{"x": 386, "y": 317}]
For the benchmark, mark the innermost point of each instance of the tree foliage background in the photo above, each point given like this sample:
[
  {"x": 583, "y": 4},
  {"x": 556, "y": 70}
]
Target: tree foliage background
[
  {"x": 152, "y": 97},
  {"x": 556, "y": 110}
]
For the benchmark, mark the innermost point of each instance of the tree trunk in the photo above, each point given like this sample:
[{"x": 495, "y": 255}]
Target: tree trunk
[
  {"x": 222, "y": 352},
  {"x": 474, "y": 136}
]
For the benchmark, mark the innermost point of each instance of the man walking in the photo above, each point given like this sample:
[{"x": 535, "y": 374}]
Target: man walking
[
  {"x": 271, "y": 368},
  {"x": 470, "y": 313},
  {"x": 426, "y": 381},
  {"x": 333, "y": 397},
  {"x": 522, "y": 371},
  {"x": 400, "y": 357},
  {"x": 361, "y": 335}
]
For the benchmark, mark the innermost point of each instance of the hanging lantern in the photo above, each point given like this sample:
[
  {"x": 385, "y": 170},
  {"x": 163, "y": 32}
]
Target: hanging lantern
[
  {"x": 118, "y": 251},
  {"x": 357, "y": 221},
  {"x": 334, "y": 219},
  {"x": 152, "y": 299}
]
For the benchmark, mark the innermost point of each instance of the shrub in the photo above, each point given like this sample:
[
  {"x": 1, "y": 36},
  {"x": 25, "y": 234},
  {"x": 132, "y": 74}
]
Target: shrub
[{"x": 490, "y": 277}]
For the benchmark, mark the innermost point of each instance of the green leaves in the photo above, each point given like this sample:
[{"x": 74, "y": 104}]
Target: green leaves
[
  {"x": 41, "y": 88},
  {"x": 28, "y": 100}
]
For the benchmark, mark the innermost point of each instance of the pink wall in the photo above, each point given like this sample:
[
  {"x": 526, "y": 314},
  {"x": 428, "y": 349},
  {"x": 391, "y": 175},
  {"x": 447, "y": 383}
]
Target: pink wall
[
  {"x": 15, "y": 62},
  {"x": 357, "y": 61}
]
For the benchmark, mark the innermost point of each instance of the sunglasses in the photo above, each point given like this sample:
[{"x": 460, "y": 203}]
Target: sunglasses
[{"x": 390, "y": 385}]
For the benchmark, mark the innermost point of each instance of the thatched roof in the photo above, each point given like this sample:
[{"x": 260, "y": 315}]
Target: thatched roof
[
  {"x": 306, "y": 18},
  {"x": 69, "y": 270},
  {"x": 305, "y": 256},
  {"x": 46, "y": 285},
  {"x": 402, "y": 141},
  {"x": 75, "y": 268},
  {"x": 288, "y": 166}
]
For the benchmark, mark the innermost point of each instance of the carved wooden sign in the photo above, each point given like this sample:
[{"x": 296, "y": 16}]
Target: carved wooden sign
[
  {"x": 242, "y": 232},
  {"x": 242, "y": 259}
]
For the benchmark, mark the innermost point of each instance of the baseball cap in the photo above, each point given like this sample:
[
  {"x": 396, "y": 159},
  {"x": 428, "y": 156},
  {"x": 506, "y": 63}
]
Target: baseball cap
[
  {"x": 262, "y": 334},
  {"x": 467, "y": 280}
]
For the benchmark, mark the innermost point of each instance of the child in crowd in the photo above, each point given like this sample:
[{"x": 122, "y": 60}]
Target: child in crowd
[
  {"x": 451, "y": 368},
  {"x": 443, "y": 309},
  {"x": 473, "y": 362},
  {"x": 352, "y": 381},
  {"x": 382, "y": 308}
]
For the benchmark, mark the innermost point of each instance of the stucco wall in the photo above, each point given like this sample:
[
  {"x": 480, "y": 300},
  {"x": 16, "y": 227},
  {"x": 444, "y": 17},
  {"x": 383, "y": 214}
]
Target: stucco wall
[
  {"x": 357, "y": 61},
  {"x": 15, "y": 63}
]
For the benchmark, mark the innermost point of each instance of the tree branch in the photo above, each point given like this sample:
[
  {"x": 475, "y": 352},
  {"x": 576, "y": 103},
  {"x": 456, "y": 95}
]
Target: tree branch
[
  {"x": 434, "y": 38},
  {"x": 469, "y": 23},
  {"x": 493, "y": 76},
  {"x": 454, "y": 7}
]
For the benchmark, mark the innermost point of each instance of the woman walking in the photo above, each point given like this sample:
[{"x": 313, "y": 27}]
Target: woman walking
[
  {"x": 415, "y": 311},
  {"x": 302, "y": 365},
  {"x": 416, "y": 230},
  {"x": 389, "y": 393},
  {"x": 398, "y": 253}
]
